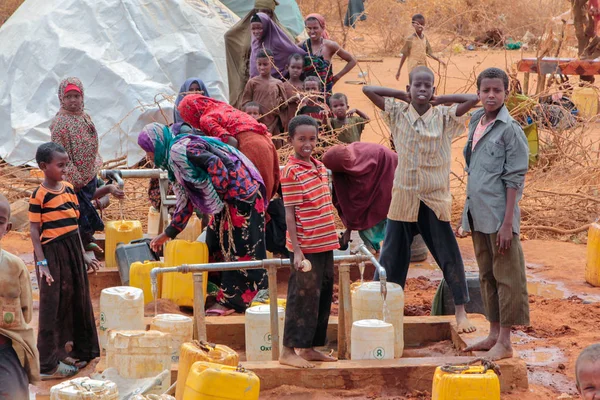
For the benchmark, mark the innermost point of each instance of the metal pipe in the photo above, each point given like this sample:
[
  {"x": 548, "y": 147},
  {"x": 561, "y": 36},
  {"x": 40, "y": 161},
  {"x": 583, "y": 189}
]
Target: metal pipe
[
  {"x": 132, "y": 173},
  {"x": 381, "y": 271}
]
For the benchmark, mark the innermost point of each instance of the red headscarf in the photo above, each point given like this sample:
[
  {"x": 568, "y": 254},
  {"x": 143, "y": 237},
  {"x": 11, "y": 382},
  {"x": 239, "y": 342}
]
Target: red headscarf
[
  {"x": 216, "y": 118},
  {"x": 363, "y": 175},
  {"x": 321, "y": 20}
]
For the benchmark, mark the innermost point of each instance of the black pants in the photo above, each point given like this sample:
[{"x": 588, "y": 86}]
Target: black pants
[
  {"x": 309, "y": 302},
  {"x": 14, "y": 384},
  {"x": 440, "y": 240}
]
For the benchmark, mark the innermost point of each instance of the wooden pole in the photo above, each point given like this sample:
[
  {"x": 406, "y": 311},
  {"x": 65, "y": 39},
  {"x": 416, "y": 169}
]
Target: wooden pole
[
  {"x": 345, "y": 313},
  {"x": 526, "y": 84},
  {"x": 199, "y": 320},
  {"x": 274, "y": 312}
]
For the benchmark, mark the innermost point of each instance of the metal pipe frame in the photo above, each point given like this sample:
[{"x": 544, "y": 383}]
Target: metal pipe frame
[{"x": 271, "y": 265}]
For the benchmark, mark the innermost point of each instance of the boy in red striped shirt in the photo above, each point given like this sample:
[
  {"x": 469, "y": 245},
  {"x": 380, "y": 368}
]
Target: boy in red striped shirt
[{"x": 311, "y": 236}]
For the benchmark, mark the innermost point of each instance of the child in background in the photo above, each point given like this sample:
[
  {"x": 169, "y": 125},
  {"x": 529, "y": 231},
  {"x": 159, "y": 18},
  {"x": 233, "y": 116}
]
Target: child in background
[
  {"x": 314, "y": 104},
  {"x": 67, "y": 337},
  {"x": 293, "y": 87},
  {"x": 497, "y": 158},
  {"x": 266, "y": 91},
  {"x": 346, "y": 127},
  {"x": 417, "y": 47},
  {"x": 587, "y": 372},
  {"x": 252, "y": 108},
  {"x": 16, "y": 309},
  {"x": 311, "y": 236},
  {"x": 423, "y": 130}
]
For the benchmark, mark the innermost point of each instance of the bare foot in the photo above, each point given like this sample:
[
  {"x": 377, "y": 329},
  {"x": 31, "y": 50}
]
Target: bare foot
[
  {"x": 498, "y": 352},
  {"x": 463, "y": 324},
  {"x": 314, "y": 355},
  {"x": 289, "y": 357},
  {"x": 485, "y": 345},
  {"x": 69, "y": 347},
  {"x": 219, "y": 311}
]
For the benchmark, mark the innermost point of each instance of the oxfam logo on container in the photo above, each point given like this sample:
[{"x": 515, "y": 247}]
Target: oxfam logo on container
[
  {"x": 267, "y": 341},
  {"x": 379, "y": 353}
]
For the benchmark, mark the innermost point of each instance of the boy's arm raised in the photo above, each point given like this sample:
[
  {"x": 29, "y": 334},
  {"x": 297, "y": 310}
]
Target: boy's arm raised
[
  {"x": 377, "y": 95},
  {"x": 465, "y": 102}
]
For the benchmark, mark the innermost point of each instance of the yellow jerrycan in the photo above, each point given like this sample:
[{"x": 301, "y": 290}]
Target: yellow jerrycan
[
  {"x": 139, "y": 277},
  {"x": 209, "y": 381},
  {"x": 592, "y": 268},
  {"x": 465, "y": 382},
  {"x": 119, "y": 232},
  {"x": 192, "y": 230},
  {"x": 191, "y": 352},
  {"x": 586, "y": 100},
  {"x": 179, "y": 287}
]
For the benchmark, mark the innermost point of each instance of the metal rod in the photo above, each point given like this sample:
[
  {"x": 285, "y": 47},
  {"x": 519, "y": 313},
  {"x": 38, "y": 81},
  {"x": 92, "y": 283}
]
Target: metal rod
[
  {"x": 132, "y": 173},
  {"x": 380, "y": 270},
  {"x": 199, "y": 306},
  {"x": 274, "y": 312}
]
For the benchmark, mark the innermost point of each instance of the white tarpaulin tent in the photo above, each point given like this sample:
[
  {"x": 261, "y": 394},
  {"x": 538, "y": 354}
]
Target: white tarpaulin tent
[
  {"x": 129, "y": 54},
  {"x": 287, "y": 12}
]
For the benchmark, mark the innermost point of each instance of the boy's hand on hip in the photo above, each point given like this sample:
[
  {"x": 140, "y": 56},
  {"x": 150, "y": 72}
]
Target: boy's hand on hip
[
  {"x": 298, "y": 258},
  {"x": 504, "y": 238},
  {"x": 45, "y": 274}
]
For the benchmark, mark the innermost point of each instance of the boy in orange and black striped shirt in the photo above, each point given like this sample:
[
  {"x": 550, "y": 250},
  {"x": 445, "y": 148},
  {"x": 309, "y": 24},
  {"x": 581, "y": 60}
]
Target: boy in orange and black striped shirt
[
  {"x": 311, "y": 236},
  {"x": 67, "y": 337}
]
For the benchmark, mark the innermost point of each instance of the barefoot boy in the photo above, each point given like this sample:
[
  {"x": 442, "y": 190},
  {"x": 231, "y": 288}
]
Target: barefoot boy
[
  {"x": 417, "y": 47},
  {"x": 497, "y": 157},
  {"x": 421, "y": 201},
  {"x": 347, "y": 127},
  {"x": 16, "y": 309},
  {"x": 587, "y": 372},
  {"x": 311, "y": 236}
]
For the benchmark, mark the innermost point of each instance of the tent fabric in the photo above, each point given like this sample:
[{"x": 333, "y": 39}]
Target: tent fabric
[
  {"x": 287, "y": 12},
  {"x": 131, "y": 55}
]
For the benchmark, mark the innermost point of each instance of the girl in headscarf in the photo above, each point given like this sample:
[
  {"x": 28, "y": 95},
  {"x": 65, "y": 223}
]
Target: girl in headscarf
[
  {"x": 320, "y": 52},
  {"x": 73, "y": 128},
  {"x": 215, "y": 179},
  {"x": 218, "y": 119},
  {"x": 363, "y": 174},
  {"x": 266, "y": 34},
  {"x": 190, "y": 86}
]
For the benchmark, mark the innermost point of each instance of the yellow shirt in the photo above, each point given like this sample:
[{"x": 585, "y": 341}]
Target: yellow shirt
[
  {"x": 423, "y": 143},
  {"x": 16, "y": 309},
  {"x": 416, "y": 50}
]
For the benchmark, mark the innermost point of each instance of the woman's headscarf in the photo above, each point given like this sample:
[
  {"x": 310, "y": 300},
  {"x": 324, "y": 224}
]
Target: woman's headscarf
[
  {"x": 157, "y": 138},
  {"x": 75, "y": 131},
  {"x": 185, "y": 90},
  {"x": 276, "y": 40},
  {"x": 321, "y": 20},
  {"x": 363, "y": 175}
]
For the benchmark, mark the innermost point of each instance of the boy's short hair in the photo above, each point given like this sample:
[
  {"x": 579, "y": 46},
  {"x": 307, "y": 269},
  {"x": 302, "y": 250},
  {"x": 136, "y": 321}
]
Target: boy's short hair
[
  {"x": 313, "y": 78},
  {"x": 4, "y": 201},
  {"x": 493, "y": 73},
  {"x": 339, "y": 96},
  {"x": 45, "y": 152},
  {"x": 589, "y": 354},
  {"x": 264, "y": 53},
  {"x": 418, "y": 17},
  {"x": 299, "y": 121},
  {"x": 295, "y": 56},
  {"x": 421, "y": 68},
  {"x": 251, "y": 104}
]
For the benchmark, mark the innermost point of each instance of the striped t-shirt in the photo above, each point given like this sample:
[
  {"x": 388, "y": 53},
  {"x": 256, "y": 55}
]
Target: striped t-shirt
[
  {"x": 56, "y": 211},
  {"x": 305, "y": 186}
]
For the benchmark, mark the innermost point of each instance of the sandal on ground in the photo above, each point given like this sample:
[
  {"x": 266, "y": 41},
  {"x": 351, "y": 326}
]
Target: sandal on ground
[
  {"x": 75, "y": 363},
  {"x": 62, "y": 371},
  {"x": 217, "y": 312}
]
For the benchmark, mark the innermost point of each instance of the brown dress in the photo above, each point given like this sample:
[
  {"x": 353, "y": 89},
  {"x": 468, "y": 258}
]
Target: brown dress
[
  {"x": 292, "y": 106},
  {"x": 271, "y": 96}
]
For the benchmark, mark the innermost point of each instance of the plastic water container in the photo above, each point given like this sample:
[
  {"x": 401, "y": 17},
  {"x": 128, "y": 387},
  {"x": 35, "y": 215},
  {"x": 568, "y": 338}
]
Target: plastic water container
[
  {"x": 586, "y": 100},
  {"x": 84, "y": 388},
  {"x": 465, "y": 383},
  {"x": 179, "y": 287},
  {"x": 215, "y": 381},
  {"x": 258, "y": 332},
  {"x": 180, "y": 327},
  {"x": 153, "y": 221},
  {"x": 592, "y": 267},
  {"x": 139, "y": 277},
  {"x": 372, "y": 339},
  {"x": 121, "y": 308},
  {"x": 192, "y": 230},
  {"x": 119, "y": 232},
  {"x": 137, "y": 251},
  {"x": 140, "y": 354},
  {"x": 367, "y": 303},
  {"x": 201, "y": 351}
]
